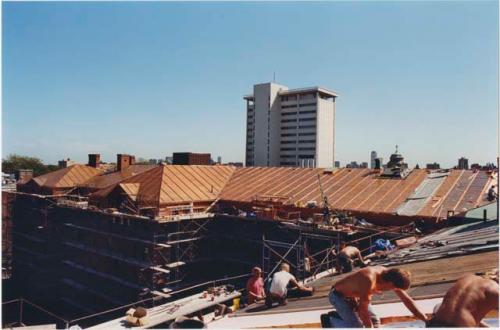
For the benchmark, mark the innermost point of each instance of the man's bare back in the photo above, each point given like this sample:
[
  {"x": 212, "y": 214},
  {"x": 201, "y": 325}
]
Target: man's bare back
[
  {"x": 468, "y": 301},
  {"x": 350, "y": 252},
  {"x": 361, "y": 284}
]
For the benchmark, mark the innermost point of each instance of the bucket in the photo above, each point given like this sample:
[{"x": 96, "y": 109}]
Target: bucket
[{"x": 236, "y": 303}]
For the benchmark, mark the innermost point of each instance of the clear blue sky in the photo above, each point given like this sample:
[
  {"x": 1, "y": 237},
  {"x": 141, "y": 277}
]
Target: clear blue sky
[{"x": 153, "y": 78}]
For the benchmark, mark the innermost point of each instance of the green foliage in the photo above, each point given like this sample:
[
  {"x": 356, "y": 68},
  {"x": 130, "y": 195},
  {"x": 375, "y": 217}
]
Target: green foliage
[
  {"x": 51, "y": 168},
  {"x": 141, "y": 161},
  {"x": 15, "y": 162}
]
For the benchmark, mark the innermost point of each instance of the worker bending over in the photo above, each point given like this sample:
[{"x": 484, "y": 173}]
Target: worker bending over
[
  {"x": 346, "y": 257},
  {"x": 352, "y": 295},
  {"x": 466, "y": 303},
  {"x": 278, "y": 289}
]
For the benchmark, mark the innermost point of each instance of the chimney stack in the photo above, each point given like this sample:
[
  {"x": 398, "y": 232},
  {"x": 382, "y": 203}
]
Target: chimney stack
[
  {"x": 94, "y": 160},
  {"x": 23, "y": 175},
  {"x": 123, "y": 161}
]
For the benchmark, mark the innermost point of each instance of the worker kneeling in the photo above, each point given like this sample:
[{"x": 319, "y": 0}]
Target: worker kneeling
[
  {"x": 278, "y": 289},
  {"x": 351, "y": 296}
]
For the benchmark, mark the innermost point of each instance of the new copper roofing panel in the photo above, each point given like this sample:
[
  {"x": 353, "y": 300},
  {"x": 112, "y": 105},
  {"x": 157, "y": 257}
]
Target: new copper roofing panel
[
  {"x": 68, "y": 177},
  {"x": 175, "y": 184},
  {"x": 350, "y": 189},
  {"x": 106, "y": 180}
]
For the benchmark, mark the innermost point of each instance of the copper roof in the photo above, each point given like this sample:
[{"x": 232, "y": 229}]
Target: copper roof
[
  {"x": 174, "y": 184},
  {"x": 359, "y": 190},
  {"x": 109, "y": 179},
  {"x": 68, "y": 177}
]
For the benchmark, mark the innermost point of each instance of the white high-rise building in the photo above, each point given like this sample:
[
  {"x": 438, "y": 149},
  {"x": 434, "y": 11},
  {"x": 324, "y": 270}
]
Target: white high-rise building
[{"x": 290, "y": 127}]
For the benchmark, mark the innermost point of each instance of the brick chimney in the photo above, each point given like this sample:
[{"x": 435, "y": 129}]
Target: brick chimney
[
  {"x": 23, "y": 175},
  {"x": 123, "y": 161},
  {"x": 94, "y": 160}
]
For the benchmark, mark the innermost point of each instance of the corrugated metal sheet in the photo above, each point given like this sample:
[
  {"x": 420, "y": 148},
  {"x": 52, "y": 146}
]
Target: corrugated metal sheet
[
  {"x": 462, "y": 190},
  {"x": 421, "y": 195},
  {"x": 464, "y": 239}
]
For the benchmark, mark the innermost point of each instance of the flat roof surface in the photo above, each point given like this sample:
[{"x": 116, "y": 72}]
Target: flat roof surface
[{"x": 308, "y": 89}]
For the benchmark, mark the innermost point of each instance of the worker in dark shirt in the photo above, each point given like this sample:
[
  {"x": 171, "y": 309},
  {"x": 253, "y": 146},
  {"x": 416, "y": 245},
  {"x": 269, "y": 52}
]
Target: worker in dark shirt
[{"x": 492, "y": 194}]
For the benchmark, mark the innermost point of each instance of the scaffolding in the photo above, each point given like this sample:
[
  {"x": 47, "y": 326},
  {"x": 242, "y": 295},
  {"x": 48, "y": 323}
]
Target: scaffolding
[
  {"x": 171, "y": 252},
  {"x": 306, "y": 261},
  {"x": 298, "y": 254}
]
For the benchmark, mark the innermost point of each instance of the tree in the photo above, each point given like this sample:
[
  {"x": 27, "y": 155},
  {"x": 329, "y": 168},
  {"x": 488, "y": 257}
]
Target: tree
[
  {"x": 15, "y": 162},
  {"x": 51, "y": 168},
  {"x": 142, "y": 161}
]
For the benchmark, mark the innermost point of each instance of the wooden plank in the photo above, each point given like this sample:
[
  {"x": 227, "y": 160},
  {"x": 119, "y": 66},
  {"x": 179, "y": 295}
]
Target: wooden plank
[
  {"x": 159, "y": 269},
  {"x": 161, "y": 294}
]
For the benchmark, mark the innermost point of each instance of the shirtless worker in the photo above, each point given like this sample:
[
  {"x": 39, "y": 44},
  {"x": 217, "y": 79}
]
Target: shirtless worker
[
  {"x": 351, "y": 296},
  {"x": 466, "y": 303},
  {"x": 346, "y": 257}
]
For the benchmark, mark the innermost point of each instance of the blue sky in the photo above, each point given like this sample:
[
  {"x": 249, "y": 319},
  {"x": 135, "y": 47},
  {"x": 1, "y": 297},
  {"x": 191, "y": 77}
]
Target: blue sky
[{"x": 153, "y": 78}]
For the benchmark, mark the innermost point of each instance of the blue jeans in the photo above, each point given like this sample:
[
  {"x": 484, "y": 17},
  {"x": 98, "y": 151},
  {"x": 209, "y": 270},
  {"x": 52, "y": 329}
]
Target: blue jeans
[{"x": 349, "y": 317}]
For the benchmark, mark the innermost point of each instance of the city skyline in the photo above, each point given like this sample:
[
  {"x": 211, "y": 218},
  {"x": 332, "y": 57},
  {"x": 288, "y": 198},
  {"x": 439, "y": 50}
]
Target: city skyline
[{"x": 151, "y": 79}]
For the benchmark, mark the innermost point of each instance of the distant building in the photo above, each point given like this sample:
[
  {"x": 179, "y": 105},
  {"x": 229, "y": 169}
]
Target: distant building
[
  {"x": 463, "y": 163},
  {"x": 373, "y": 157},
  {"x": 219, "y": 160},
  {"x": 364, "y": 165},
  {"x": 396, "y": 167},
  {"x": 235, "y": 164},
  {"x": 190, "y": 158},
  {"x": 168, "y": 160},
  {"x": 155, "y": 161},
  {"x": 379, "y": 163},
  {"x": 433, "y": 166},
  {"x": 353, "y": 164},
  {"x": 337, "y": 164},
  {"x": 290, "y": 127},
  {"x": 487, "y": 167},
  {"x": 66, "y": 163}
]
